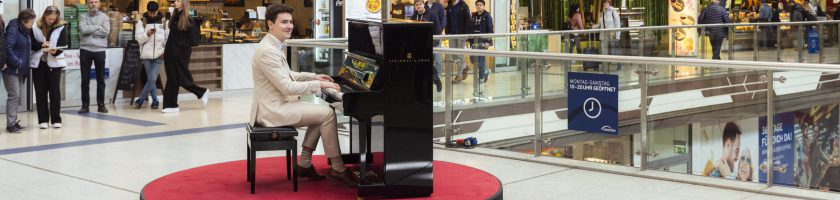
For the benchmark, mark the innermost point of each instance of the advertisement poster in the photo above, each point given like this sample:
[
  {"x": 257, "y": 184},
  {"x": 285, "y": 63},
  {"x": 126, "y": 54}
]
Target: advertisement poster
[
  {"x": 783, "y": 147},
  {"x": 727, "y": 149},
  {"x": 817, "y": 149},
  {"x": 685, "y": 40},
  {"x": 593, "y": 102}
]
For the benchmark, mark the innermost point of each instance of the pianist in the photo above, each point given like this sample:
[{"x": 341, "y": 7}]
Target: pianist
[{"x": 276, "y": 98}]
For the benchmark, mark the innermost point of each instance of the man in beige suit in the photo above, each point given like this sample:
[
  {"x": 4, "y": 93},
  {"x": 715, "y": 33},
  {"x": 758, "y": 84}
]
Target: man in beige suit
[{"x": 276, "y": 97}]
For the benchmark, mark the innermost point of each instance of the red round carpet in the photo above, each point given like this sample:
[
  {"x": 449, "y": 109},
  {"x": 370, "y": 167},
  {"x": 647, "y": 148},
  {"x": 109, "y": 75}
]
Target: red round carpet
[{"x": 228, "y": 181}]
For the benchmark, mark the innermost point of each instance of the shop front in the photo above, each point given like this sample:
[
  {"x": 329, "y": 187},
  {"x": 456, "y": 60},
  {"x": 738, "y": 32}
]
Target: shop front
[{"x": 230, "y": 30}]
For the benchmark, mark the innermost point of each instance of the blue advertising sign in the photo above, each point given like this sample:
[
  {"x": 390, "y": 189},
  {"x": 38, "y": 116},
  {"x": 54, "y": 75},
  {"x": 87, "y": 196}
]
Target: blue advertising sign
[
  {"x": 593, "y": 102},
  {"x": 783, "y": 149}
]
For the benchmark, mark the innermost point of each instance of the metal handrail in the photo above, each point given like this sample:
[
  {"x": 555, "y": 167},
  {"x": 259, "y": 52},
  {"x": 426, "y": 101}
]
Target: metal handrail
[
  {"x": 752, "y": 65},
  {"x": 648, "y": 28},
  {"x": 645, "y": 28}
]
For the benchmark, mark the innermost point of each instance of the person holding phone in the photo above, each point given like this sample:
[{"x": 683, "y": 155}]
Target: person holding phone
[
  {"x": 49, "y": 37},
  {"x": 152, "y": 42}
]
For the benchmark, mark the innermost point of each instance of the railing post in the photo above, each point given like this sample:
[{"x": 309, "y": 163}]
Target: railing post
[
  {"x": 755, "y": 42},
  {"x": 821, "y": 42},
  {"x": 295, "y": 54},
  {"x": 673, "y": 72},
  {"x": 538, "y": 110},
  {"x": 801, "y": 34},
  {"x": 643, "y": 115},
  {"x": 448, "y": 71},
  {"x": 731, "y": 42},
  {"x": 770, "y": 130},
  {"x": 642, "y": 42},
  {"x": 779, "y": 43}
]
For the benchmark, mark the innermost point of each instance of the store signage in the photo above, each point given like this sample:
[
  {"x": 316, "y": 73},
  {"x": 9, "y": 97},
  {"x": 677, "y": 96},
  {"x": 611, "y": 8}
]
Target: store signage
[
  {"x": 783, "y": 148},
  {"x": 593, "y": 102}
]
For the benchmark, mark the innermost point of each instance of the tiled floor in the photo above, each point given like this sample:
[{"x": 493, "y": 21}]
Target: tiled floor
[{"x": 67, "y": 165}]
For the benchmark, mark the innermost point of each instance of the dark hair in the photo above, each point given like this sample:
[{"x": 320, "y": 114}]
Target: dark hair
[
  {"x": 730, "y": 131},
  {"x": 480, "y": 1},
  {"x": 573, "y": 10},
  {"x": 152, "y": 6},
  {"x": 275, "y": 9},
  {"x": 26, "y": 15}
]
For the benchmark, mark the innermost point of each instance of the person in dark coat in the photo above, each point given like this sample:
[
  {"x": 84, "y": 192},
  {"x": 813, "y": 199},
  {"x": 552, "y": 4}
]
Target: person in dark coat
[
  {"x": 436, "y": 8},
  {"x": 423, "y": 14},
  {"x": 46, "y": 74},
  {"x": 457, "y": 20},
  {"x": 2, "y": 43},
  {"x": 176, "y": 59},
  {"x": 481, "y": 22},
  {"x": 18, "y": 51},
  {"x": 715, "y": 14}
]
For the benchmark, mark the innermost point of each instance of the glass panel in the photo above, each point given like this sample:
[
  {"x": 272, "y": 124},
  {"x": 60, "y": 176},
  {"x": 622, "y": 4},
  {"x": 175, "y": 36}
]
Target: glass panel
[
  {"x": 832, "y": 43},
  {"x": 496, "y": 110},
  {"x": 767, "y": 40},
  {"x": 706, "y": 126},
  {"x": 807, "y": 137}
]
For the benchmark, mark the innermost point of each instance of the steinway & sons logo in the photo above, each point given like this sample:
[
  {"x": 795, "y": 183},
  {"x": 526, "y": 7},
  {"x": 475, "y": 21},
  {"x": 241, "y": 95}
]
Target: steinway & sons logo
[{"x": 409, "y": 58}]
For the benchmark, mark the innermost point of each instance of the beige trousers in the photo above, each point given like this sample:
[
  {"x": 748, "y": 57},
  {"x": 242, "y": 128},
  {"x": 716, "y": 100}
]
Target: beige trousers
[{"x": 320, "y": 121}]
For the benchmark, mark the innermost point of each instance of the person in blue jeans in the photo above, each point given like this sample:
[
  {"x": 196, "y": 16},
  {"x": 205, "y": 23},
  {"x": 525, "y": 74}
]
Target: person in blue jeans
[
  {"x": 482, "y": 22},
  {"x": 151, "y": 35}
]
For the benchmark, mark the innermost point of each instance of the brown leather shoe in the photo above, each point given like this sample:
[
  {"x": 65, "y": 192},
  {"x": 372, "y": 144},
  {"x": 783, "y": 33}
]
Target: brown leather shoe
[
  {"x": 345, "y": 177},
  {"x": 309, "y": 173}
]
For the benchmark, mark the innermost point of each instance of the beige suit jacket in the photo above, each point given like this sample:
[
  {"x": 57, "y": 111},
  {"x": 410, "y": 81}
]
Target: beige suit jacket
[{"x": 276, "y": 87}]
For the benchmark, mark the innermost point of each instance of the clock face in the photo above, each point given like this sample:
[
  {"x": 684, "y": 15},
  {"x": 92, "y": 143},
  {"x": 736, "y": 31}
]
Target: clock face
[
  {"x": 373, "y": 5},
  {"x": 592, "y": 108}
]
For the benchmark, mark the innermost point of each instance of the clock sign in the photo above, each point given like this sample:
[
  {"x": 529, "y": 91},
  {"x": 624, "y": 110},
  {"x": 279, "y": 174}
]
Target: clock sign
[{"x": 593, "y": 102}]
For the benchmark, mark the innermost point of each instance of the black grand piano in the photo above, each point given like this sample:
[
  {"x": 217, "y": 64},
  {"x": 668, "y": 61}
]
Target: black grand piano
[{"x": 387, "y": 77}]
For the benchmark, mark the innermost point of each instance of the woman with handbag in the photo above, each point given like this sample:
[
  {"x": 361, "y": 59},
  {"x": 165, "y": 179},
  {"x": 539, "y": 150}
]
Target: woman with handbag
[{"x": 49, "y": 37}]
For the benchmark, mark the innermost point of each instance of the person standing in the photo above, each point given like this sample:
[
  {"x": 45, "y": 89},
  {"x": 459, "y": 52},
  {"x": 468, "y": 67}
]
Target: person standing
[
  {"x": 49, "y": 38},
  {"x": 422, "y": 14},
  {"x": 774, "y": 17},
  {"x": 610, "y": 40},
  {"x": 457, "y": 17},
  {"x": 18, "y": 52},
  {"x": 575, "y": 23},
  {"x": 93, "y": 29},
  {"x": 176, "y": 58},
  {"x": 715, "y": 14},
  {"x": 436, "y": 8},
  {"x": 152, "y": 43},
  {"x": 481, "y": 22},
  {"x": 765, "y": 14}
]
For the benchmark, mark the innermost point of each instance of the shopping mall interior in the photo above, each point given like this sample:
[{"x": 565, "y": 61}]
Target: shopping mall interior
[{"x": 641, "y": 103}]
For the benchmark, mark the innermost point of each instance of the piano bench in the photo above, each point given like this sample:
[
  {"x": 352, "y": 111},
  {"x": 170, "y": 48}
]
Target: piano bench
[{"x": 272, "y": 139}]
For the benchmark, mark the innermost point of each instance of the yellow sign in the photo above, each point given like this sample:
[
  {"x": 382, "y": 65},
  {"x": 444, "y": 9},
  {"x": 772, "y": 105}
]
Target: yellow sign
[{"x": 374, "y": 6}]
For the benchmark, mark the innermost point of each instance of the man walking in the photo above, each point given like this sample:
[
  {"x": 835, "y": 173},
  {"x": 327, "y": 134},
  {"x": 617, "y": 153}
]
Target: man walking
[
  {"x": 93, "y": 28},
  {"x": 715, "y": 14},
  {"x": 458, "y": 16},
  {"x": 423, "y": 14},
  {"x": 481, "y": 22}
]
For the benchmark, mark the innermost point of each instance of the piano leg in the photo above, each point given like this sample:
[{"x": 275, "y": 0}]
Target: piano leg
[{"x": 364, "y": 148}]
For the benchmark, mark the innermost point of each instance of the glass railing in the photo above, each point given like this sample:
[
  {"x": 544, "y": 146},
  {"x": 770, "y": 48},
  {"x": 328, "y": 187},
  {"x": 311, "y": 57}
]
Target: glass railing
[{"x": 678, "y": 114}]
